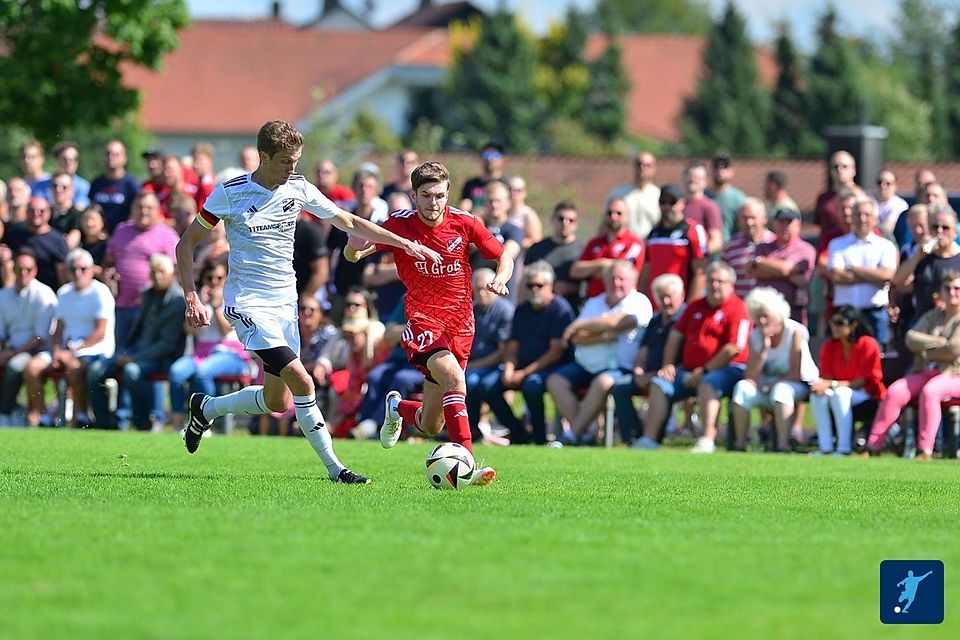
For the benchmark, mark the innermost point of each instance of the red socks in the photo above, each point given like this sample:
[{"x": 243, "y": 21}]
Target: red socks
[{"x": 455, "y": 415}]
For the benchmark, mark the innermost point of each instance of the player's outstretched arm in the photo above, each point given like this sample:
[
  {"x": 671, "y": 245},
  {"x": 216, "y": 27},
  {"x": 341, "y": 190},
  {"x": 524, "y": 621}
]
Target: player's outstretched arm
[
  {"x": 362, "y": 228},
  {"x": 504, "y": 270},
  {"x": 196, "y": 314}
]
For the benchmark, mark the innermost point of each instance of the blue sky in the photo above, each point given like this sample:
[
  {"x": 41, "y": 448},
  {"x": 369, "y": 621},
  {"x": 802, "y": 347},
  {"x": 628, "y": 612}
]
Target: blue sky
[{"x": 865, "y": 17}]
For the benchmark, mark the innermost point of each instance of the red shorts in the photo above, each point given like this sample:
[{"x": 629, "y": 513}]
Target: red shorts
[{"x": 420, "y": 340}]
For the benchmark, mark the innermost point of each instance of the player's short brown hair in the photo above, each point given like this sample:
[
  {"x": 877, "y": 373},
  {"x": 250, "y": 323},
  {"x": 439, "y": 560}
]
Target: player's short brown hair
[
  {"x": 278, "y": 135},
  {"x": 429, "y": 172}
]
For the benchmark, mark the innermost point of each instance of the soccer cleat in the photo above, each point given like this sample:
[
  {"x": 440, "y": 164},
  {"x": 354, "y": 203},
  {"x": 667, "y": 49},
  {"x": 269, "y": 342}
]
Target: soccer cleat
[
  {"x": 392, "y": 422},
  {"x": 197, "y": 424},
  {"x": 349, "y": 477},
  {"x": 483, "y": 476},
  {"x": 704, "y": 445}
]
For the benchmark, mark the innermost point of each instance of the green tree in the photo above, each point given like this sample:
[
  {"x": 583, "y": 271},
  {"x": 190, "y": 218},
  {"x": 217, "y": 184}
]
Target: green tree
[
  {"x": 605, "y": 110},
  {"x": 561, "y": 76},
  {"x": 490, "y": 88},
  {"x": 952, "y": 89},
  {"x": 652, "y": 16},
  {"x": 905, "y": 116},
  {"x": 836, "y": 94},
  {"x": 62, "y": 58},
  {"x": 789, "y": 132},
  {"x": 729, "y": 110}
]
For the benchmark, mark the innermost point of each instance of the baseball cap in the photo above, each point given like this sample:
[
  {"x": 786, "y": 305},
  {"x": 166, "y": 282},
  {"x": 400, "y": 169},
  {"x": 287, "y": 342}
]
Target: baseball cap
[
  {"x": 786, "y": 215},
  {"x": 151, "y": 153},
  {"x": 671, "y": 191}
]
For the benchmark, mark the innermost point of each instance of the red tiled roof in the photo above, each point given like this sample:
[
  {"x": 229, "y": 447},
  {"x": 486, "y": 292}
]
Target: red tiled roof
[{"x": 231, "y": 76}]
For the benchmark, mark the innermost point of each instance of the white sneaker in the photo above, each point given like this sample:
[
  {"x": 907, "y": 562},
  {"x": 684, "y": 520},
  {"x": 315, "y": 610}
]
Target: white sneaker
[
  {"x": 392, "y": 422},
  {"x": 364, "y": 430},
  {"x": 644, "y": 442},
  {"x": 704, "y": 445},
  {"x": 483, "y": 476}
]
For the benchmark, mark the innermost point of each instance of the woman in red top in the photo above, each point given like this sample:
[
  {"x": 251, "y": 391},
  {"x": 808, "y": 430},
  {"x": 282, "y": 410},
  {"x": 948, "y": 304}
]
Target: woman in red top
[{"x": 850, "y": 374}]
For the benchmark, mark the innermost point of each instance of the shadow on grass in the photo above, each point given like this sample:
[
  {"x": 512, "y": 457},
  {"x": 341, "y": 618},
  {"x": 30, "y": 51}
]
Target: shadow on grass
[{"x": 142, "y": 475}]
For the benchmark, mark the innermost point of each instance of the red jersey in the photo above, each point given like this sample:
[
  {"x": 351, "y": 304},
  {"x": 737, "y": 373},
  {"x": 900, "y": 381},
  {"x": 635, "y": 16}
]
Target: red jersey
[
  {"x": 864, "y": 362},
  {"x": 625, "y": 246},
  {"x": 441, "y": 293},
  {"x": 706, "y": 329},
  {"x": 673, "y": 250}
]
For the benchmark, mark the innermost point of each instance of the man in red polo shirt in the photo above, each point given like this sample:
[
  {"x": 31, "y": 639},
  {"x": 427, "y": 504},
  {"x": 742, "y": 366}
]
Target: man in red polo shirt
[
  {"x": 713, "y": 332},
  {"x": 676, "y": 245},
  {"x": 614, "y": 243}
]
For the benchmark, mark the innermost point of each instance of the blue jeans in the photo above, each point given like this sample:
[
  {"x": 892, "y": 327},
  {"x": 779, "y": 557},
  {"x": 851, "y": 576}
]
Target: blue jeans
[
  {"x": 476, "y": 396},
  {"x": 722, "y": 380},
  {"x": 532, "y": 388},
  {"x": 402, "y": 376},
  {"x": 202, "y": 377},
  {"x": 125, "y": 317},
  {"x": 879, "y": 321},
  {"x": 623, "y": 392},
  {"x": 145, "y": 397}
]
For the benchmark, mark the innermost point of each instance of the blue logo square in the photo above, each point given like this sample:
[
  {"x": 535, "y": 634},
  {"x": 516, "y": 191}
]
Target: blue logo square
[{"x": 911, "y": 592}]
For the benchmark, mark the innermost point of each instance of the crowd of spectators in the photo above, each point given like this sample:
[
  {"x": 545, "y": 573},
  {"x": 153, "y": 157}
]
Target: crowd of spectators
[{"x": 705, "y": 301}]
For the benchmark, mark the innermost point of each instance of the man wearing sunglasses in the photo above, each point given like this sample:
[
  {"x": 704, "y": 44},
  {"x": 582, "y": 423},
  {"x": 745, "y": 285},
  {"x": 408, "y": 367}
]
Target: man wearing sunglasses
[
  {"x": 614, "y": 243},
  {"x": 474, "y": 190}
]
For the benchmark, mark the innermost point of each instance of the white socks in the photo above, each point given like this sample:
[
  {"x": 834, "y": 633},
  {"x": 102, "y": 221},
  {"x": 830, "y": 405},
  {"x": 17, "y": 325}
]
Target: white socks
[
  {"x": 248, "y": 401},
  {"x": 313, "y": 427}
]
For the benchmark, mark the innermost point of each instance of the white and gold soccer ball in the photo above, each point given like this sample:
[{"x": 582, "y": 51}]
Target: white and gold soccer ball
[{"x": 449, "y": 466}]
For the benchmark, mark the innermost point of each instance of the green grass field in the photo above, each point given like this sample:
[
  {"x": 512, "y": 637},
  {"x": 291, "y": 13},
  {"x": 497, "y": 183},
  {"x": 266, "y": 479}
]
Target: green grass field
[{"x": 117, "y": 535}]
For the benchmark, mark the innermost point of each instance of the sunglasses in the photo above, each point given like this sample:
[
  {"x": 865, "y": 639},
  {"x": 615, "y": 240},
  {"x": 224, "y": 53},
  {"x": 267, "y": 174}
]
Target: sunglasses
[
  {"x": 37, "y": 210},
  {"x": 79, "y": 269},
  {"x": 565, "y": 219},
  {"x": 840, "y": 322},
  {"x": 24, "y": 269},
  {"x": 942, "y": 227},
  {"x": 611, "y": 212},
  {"x": 536, "y": 285},
  {"x": 667, "y": 203}
]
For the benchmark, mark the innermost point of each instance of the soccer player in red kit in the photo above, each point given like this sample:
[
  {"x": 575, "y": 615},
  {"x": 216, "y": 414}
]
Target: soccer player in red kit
[{"x": 439, "y": 307}]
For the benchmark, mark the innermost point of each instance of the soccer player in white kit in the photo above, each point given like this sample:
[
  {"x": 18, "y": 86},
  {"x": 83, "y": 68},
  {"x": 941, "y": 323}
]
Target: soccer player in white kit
[{"x": 260, "y": 211}]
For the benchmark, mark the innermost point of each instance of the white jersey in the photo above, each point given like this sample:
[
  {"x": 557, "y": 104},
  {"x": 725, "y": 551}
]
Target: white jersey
[{"x": 260, "y": 225}]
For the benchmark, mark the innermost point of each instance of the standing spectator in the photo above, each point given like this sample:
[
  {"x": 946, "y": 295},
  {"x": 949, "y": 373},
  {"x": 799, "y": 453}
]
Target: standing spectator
[
  {"x": 861, "y": 266},
  {"x": 668, "y": 290},
  {"x": 4, "y": 207},
  {"x": 202, "y": 154},
  {"x": 6, "y": 261},
  {"x": 327, "y": 182},
  {"x": 922, "y": 180},
  {"x": 26, "y": 319},
  {"x": 779, "y": 369},
  {"x": 47, "y": 244},
  {"x": 560, "y": 250},
  {"x": 535, "y": 349},
  {"x": 154, "y": 161},
  {"x": 366, "y": 186},
  {"x": 495, "y": 207},
  {"x": 607, "y": 337},
  {"x": 522, "y": 214},
  {"x": 713, "y": 333},
  {"x": 902, "y": 303},
  {"x": 493, "y": 316},
  {"x": 216, "y": 349},
  {"x": 248, "y": 160},
  {"x": 407, "y": 161},
  {"x": 891, "y": 205},
  {"x": 93, "y": 236},
  {"x": 311, "y": 262},
  {"x": 615, "y": 242},
  {"x": 786, "y": 263},
  {"x": 739, "y": 252},
  {"x": 156, "y": 340},
  {"x": 64, "y": 216},
  {"x": 935, "y": 341},
  {"x": 923, "y": 272},
  {"x": 174, "y": 179},
  {"x": 18, "y": 199},
  {"x": 475, "y": 189},
  {"x": 700, "y": 208},
  {"x": 775, "y": 193},
  {"x": 115, "y": 189},
  {"x": 676, "y": 245},
  {"x": 642, "y": 195},
  {"x": 727, "y": 196},
  {"x": 84, "y": 333},
  {"x": 843, "y": 170},
  {"x": 850, "y": 374},
  {"x": 67, "y": 155},
  {"x": 128, "y": 259},
  {"x": 31, "y": 163}
]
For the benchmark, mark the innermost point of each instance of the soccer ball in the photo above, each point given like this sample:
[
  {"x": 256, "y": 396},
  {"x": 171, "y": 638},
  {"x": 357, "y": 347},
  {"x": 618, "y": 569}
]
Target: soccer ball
[{"x": 449, "y": 466}]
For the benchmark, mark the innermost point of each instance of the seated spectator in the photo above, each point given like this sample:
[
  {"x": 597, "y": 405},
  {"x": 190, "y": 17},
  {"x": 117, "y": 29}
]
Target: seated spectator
[
  {"x": 65, "y": 215},
  {"x": 46, "y": 243},
  {"x": 93, "y": 236},
  {"x": 316, "y": 331},
  {"x": 668, "y": 290},
  {"x": 675, "y": 245},
  {"x": 84, "y": 333},
  {"x": 935, "y": 342},
  {"x": 742, "y": 247},
  {"x": 923, "y": 272},
  {"x": 493, "y": 316},
  {"x": 607, "y": 336},
  {"x": 26, "y": 318},
  {"x": 156, "y": 340},
  {"x": 615, "y": 242},
  {"x": 216, "y": 349},
  {"x": 535, "y": 349},
  {"x": 779, "y": 369},
  {"x": 362, "y": 349},
  {"x": 850, "y": 374},
  {"x": 358, "y": 305},
  {"x": 786, "y": 263},
  {"x": 713, "y": 335},
  {"x": 522, "y": 214},
  {"x": 560, "y": 250}
]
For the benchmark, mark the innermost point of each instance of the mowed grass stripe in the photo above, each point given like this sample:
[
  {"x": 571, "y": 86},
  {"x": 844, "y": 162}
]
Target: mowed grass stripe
[{"x": 248, "y": 539}]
